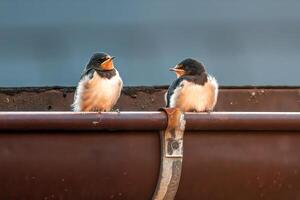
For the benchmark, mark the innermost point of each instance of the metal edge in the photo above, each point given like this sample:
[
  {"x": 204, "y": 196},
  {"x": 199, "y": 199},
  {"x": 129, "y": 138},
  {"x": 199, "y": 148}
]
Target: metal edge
[{"x": 148, "y": 121}]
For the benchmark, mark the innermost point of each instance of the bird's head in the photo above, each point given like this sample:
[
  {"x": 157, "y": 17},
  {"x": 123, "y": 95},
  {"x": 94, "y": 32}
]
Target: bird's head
[
  {"x": 102, "y": 61},
  {"x": 188, "y": 66}
]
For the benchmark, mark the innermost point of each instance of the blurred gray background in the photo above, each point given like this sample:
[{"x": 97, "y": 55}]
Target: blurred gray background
[{"x": 44, "y": 43}]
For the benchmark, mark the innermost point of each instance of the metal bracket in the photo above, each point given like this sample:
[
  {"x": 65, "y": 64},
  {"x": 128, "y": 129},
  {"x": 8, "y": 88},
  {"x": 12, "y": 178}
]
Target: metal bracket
[{"x": 171, "y": 155}]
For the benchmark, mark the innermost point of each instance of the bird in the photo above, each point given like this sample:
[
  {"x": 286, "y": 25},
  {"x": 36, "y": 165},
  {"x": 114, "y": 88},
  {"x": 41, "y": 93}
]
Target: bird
[
  {"x": 194, "y": 90},
  {"x": 99, "y": 87}
]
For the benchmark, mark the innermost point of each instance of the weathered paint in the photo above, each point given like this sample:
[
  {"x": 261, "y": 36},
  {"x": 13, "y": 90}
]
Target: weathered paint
[{"x": 262, "y": 99}]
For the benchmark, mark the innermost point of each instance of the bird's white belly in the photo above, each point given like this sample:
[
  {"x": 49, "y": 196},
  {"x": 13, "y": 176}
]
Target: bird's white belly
[
  {"x": 193, "y": 97},
  {"x": 99, "y": 94}
]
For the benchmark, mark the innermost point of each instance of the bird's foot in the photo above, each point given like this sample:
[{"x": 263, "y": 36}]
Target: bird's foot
[
  {"x": 208, "y": 111},
  {"x": 116, "y": 110},
  {"x": 98, "y": 110},
  {"x": 202, "y": 111}
]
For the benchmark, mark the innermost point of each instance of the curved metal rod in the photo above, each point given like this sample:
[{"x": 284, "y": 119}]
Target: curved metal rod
[{"x": 171, "y": 156}]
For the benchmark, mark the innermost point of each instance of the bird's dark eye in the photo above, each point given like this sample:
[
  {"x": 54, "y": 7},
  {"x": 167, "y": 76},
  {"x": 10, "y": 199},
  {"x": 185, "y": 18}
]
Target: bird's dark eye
[
  {"x": 180, "y": 67},
  {"x": 100, "y": 60}
]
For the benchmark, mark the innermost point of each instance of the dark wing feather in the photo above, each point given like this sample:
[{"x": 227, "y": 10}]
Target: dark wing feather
[
  {"x": 199, "y": 79},
  {"x": 88, "y": 70},
  {"x": 171, "y": 89}
]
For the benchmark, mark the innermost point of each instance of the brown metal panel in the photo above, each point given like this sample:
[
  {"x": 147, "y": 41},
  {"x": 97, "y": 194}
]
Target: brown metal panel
[
  {"x": 85, "y": 165},
  {"x": 240, "y": 165},
  {"x": 228, "y": 156},
  {"x": 265, "y": 99},
  {"x": 216, "y": 165}
]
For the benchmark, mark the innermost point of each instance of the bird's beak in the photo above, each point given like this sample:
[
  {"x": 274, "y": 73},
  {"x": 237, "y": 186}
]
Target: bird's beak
[
  {"x": 175, "y": 69},
  {"x": 179, "y": 72},
  {"x": 108, "y": 64}
]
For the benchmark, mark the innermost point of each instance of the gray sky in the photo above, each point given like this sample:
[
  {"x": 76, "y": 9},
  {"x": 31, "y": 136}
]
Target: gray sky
[{"x": 241, "y": 42}]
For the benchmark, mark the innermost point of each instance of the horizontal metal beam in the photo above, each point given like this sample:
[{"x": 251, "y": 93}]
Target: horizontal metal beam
[
  {"x": 83, "y": 121},
  {"x": 252, "y": 121},
  {"x": 148, "y": 121}
]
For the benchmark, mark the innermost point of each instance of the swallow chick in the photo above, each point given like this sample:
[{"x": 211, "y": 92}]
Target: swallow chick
[
  {"x": 194, "y": 90},
  {"x": 99, "y": 87}
]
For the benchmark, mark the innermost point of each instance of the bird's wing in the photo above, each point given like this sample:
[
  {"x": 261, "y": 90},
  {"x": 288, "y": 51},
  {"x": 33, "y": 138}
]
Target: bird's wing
[
  {"x": 88, "y": 71},
  {"x": 171, "y": 89}
]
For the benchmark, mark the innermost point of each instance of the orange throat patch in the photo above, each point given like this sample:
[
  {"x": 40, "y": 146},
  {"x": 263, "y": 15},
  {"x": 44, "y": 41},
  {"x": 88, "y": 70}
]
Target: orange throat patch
[{"x": 108, "y": 64}]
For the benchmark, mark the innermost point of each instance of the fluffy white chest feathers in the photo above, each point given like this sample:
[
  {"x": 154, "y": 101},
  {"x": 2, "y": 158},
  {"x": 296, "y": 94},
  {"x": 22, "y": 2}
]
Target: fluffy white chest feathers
[
  {"x": 193, "y": 97},
  {"x": 97, "y": 93}
]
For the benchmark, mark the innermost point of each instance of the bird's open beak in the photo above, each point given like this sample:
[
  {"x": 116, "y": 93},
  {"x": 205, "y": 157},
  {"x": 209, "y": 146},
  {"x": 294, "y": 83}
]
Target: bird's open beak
[{"x": 108, "y": 64}]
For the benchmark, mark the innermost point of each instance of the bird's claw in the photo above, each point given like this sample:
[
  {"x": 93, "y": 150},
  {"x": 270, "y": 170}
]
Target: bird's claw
[{"x": 116, "y": 110}]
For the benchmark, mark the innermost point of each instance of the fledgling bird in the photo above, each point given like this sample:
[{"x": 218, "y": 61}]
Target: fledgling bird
[
  {"x": 194, "y": 90},
  {"x": 100, "y": 85}
]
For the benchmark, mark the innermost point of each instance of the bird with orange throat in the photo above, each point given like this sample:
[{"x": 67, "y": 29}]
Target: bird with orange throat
[
  {"x": 194, "y": 90},
  {"x": 100, "y": 85}
]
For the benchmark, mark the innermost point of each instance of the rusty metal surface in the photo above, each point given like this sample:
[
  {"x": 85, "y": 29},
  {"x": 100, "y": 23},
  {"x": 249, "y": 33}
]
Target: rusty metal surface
[{"x": 248, "y": 98}]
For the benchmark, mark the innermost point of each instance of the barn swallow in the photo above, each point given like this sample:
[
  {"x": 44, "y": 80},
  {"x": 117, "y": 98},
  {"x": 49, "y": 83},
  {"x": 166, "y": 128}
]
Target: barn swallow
[
  {"x": 194, "y": 90},
  {"x": 100, "y": 85}
]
